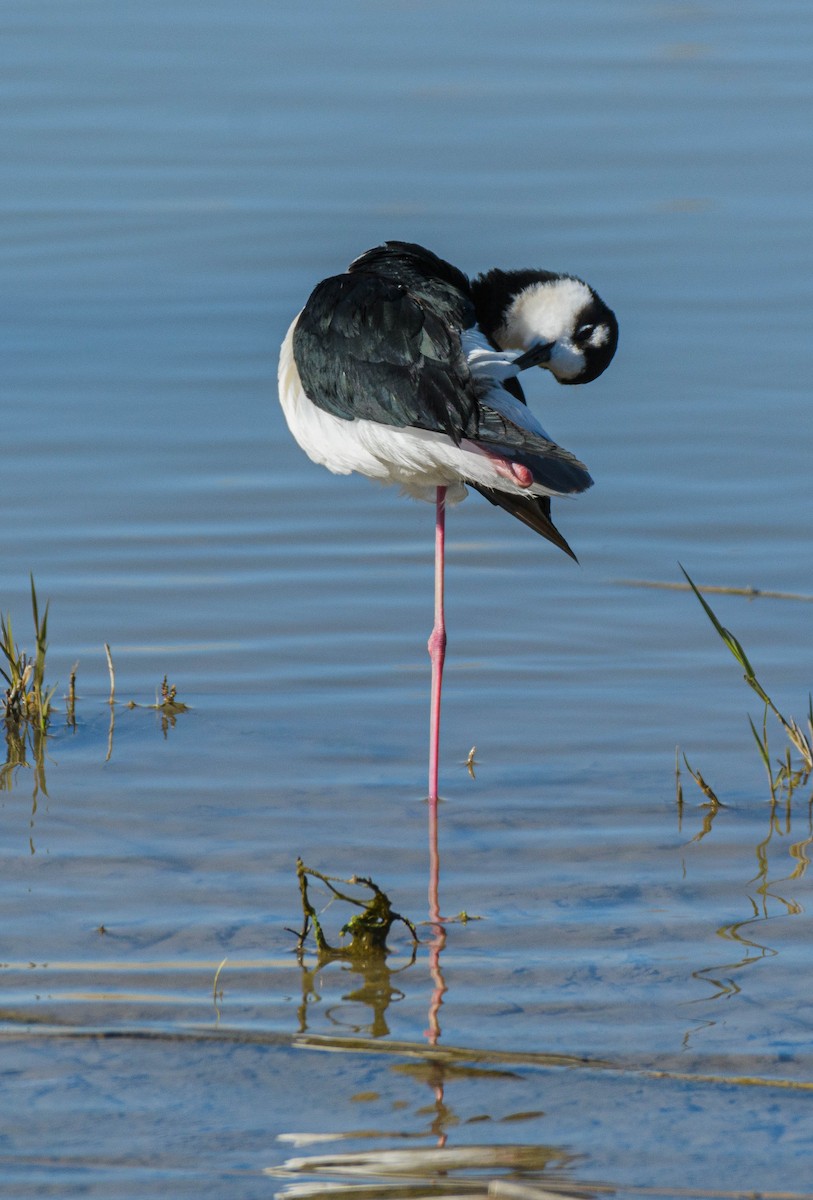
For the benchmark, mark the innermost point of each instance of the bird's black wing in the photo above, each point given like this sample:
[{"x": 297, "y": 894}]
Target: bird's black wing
[{"x": 369, "y": 345}]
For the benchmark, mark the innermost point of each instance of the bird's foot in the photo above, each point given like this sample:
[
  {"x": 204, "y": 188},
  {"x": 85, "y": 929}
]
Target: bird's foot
[{"x": 516, "y": 472}]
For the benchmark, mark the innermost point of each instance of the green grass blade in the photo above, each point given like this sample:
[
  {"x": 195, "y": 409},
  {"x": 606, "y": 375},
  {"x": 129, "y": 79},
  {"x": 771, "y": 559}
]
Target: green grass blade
[
  {"x": 10, "y": 650},
  {"x": 761, "y": 744},
  {"x": 34, "y": 604},
  {"x": 727, "y": 636},
  {"x": 41, "y": 635}
]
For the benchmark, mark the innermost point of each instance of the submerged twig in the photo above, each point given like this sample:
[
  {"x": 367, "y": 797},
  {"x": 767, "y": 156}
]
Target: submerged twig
[
  {"x": 678, "y": 789},
  {"x": 750, "y": 593},
  {"x": 214, "y": 988},
  {"x": 112, "y": 697},
  {"x": 70, "y": 706}
]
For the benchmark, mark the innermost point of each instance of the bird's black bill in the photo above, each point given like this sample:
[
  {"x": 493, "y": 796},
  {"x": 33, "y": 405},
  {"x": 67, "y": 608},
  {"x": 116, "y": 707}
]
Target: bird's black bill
[{"x": 537, "y": 356}]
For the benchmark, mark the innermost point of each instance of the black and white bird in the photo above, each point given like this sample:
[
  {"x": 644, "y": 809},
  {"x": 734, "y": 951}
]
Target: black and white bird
[{"x": 404, "y": 370}]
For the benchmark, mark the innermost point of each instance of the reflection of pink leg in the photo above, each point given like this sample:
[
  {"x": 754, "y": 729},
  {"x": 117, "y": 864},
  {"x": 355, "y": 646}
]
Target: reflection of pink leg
[
  {"x": 434, "y": 863},
  {"x": 432, "y": 1033},
  {"x": 437, "y": 653}
]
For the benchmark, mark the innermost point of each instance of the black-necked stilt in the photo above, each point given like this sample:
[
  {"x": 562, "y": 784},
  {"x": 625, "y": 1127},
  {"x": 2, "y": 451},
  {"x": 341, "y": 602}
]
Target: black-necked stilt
[{"x": 404, "y": 370}]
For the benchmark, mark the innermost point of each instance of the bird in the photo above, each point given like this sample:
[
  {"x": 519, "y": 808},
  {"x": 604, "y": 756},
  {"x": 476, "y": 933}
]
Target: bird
[{"x": 405, "y": 370}]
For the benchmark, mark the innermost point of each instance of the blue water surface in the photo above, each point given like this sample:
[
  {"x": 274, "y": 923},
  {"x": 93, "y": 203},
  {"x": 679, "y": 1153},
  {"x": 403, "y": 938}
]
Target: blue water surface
[{"x": 631, "y": 1010}]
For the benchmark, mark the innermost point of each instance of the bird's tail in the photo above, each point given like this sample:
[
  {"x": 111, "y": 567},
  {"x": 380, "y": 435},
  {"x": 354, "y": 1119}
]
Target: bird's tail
[{"x": 533, "y": 511}]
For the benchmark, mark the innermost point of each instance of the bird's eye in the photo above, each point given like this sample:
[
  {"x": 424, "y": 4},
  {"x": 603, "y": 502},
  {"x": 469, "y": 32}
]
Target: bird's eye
[{"x": 584, "y": 332}]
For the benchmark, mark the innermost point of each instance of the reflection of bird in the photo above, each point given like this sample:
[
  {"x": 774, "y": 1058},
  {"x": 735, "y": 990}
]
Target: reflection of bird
[{"x": 405, "y": 371}]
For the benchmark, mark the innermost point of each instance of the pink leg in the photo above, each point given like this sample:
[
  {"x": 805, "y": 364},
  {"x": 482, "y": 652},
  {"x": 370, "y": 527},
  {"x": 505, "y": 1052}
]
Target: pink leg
[
  {"x": 437, "y": 653},
  {"x": 437, "y": 645}
]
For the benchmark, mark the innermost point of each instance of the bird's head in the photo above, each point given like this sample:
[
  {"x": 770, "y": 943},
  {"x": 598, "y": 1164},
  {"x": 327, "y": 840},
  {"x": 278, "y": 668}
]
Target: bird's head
[{"x": 533, "y": 310}]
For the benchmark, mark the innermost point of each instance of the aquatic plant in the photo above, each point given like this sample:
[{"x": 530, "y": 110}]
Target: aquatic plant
[
  {"x": 790, "y": 772},
  {"x": 26, "y": 704},
  {"x": 26, "y": 699},
  {"x": 367, "y": 929}
]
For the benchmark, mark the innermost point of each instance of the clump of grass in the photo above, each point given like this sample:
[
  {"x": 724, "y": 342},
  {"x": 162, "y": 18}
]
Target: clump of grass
[
  {"x": 169, "y": 706},
  {"x": 712, "y": 803},
  {"x": 790, "y": 772},
  {"x": 169, "y": 703},
  {"x": 26, "y": 700}
]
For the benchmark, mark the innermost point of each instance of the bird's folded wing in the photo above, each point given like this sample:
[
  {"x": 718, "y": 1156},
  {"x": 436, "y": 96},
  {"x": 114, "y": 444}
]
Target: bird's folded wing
[
  {"x": 551, "y": 465},
  {"x": 368, "y": 348}
]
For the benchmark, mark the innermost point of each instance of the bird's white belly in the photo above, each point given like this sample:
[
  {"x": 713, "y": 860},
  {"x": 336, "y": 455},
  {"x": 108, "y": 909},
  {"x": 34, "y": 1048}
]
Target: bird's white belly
[{"x": 418, "y": 460}]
